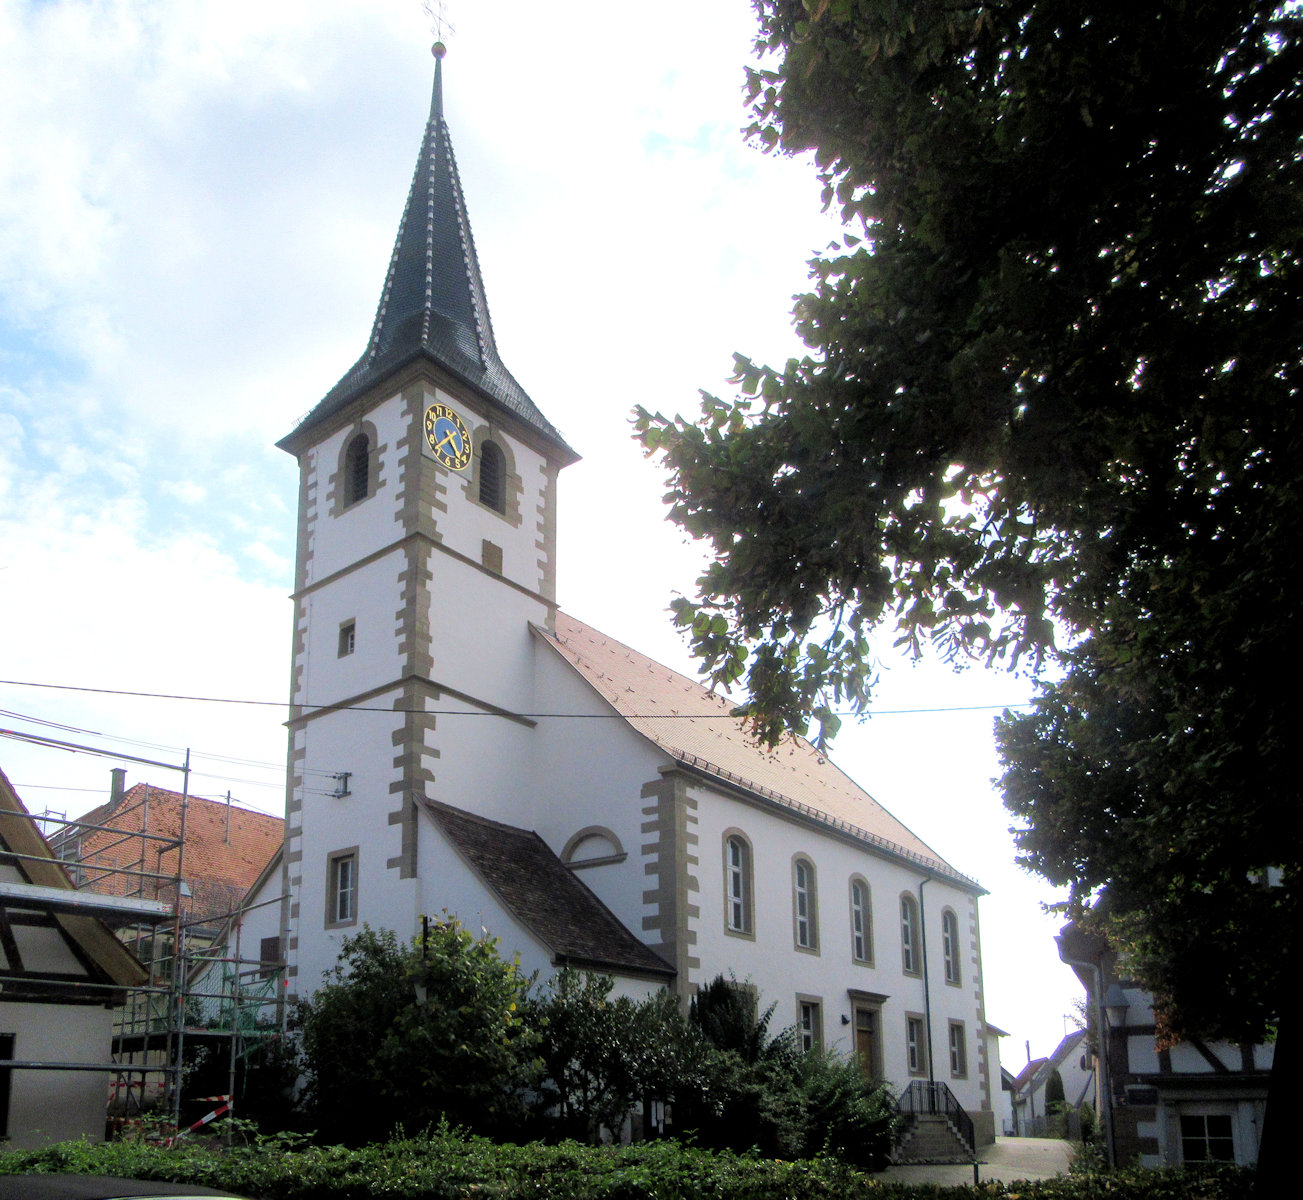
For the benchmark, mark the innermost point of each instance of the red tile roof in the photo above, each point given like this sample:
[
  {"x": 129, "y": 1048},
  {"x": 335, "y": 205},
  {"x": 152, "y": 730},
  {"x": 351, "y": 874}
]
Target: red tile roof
[
  {"x": 226, "y": 848},
  {"x": 693, "y": 726}
]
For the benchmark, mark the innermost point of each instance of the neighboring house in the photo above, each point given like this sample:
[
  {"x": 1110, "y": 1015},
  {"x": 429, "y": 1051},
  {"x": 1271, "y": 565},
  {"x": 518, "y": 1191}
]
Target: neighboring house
[
  {"x": 1073, "y": 1065},
  {"x": 132, "y": 845},
  {"x": 198, "y": 859},
  {"x": 1023, "y": 1100},
  {"x": 1005, "y": 1118},
  {"x": 1001, "y": 1096},
  {"x": 1189, "y": 1102},
  {"x": 506, "y": 763},
  {"x": 62, "y": 970}
]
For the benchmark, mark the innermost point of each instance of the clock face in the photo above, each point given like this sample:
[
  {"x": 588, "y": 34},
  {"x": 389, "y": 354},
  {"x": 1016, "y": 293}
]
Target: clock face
[{"x": 446, "y": 435}]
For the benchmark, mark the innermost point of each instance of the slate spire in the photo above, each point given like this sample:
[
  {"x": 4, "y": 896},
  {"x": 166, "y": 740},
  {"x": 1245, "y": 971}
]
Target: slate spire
[{"x": 433, "y": 303}]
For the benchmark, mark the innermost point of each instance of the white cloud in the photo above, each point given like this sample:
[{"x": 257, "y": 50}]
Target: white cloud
[{"x": 185, "y": 490}]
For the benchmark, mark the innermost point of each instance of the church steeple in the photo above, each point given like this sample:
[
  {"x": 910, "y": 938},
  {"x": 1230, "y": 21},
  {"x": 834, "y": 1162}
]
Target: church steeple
[{"x": 433, "y": 303}]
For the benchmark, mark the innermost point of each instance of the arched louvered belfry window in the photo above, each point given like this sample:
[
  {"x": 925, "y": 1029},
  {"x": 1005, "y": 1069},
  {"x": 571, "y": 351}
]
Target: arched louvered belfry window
[
  {"x": 357, "y": 469},
  {"x": 493, "y": 477}
]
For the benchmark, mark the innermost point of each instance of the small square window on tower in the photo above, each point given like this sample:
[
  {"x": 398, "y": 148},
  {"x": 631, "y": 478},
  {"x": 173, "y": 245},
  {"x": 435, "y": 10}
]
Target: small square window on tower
[
  {"x": 491, "y": 556},
  {"x": 347, "y": 638}
]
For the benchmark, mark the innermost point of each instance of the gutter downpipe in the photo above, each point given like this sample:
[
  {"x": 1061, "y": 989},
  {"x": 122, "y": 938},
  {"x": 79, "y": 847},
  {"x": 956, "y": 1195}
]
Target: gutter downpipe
[
  {"x": 927, "y": 995},
  {"x": 1105, "y": 1082}
]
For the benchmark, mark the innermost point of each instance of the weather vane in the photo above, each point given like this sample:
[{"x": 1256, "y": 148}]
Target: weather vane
[{"x": 440, "y": 26}]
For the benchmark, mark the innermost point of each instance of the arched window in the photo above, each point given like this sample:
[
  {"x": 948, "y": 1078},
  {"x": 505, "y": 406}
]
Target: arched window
[
  {"x": 805, "y": 915},
  {"x": 950, "y": 945},
  {"x": 357, "y": 469},
  {"x": 493, "y": 477},
  {"x": 593, "y": 846},
  {"x": 861, "y": 922},
  {"x": 910, "y": 961},
  {"x": 738, "y": 885}
]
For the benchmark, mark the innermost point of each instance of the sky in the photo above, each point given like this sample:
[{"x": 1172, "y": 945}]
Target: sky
[{"x": 198, "y": 199}]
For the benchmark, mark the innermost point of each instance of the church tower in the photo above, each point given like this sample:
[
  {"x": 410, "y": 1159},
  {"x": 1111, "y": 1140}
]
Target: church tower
[{"x": 426, "y": 550}]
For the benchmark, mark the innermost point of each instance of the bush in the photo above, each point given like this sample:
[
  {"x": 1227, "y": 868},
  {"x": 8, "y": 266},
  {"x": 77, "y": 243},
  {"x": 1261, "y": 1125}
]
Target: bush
[
  {"x": 400, "y": 1036},
  {"x": 769, "y": 1095},
  {"x": 445, "y": 1165},
  {"x": 602, "y": 1057}
]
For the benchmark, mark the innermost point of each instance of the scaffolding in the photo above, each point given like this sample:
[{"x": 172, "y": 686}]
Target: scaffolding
[{"x": 199, "y": 986}]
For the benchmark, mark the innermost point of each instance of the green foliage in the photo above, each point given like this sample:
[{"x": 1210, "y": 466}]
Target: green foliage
[
  {"x": 726, "y": 1013},
  {"x": 846, "y": 1114},
  {"x": 445, "y": 1165},
  {"x": 1049, "y": 413},
  {"x": 765, "y": 1093},
  {"x": 402, "y": 1035},
  {"x": 601, "y": 1056}
]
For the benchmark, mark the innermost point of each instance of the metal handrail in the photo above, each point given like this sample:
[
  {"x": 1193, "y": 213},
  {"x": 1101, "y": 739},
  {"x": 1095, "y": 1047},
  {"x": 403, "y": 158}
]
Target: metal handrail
[{"x": 934, "y": 1097}]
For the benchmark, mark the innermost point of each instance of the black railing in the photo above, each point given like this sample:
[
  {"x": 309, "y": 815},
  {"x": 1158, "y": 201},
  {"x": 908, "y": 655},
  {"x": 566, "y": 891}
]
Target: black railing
[{"x": 935, "y": 1099}]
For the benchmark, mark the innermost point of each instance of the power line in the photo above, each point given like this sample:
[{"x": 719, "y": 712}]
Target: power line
[{"x": 454, "y": 712}]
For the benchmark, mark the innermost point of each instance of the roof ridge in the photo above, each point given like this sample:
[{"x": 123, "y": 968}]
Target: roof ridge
[{"x": 574, "y": 651}]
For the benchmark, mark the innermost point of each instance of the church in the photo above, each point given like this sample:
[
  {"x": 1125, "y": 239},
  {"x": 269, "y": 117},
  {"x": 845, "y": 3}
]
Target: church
[{"x": 460, "y": 745}]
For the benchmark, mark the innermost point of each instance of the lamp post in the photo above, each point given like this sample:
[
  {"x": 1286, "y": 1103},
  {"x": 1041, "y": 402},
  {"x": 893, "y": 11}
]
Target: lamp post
[{"x": 1113, "y": 1007}]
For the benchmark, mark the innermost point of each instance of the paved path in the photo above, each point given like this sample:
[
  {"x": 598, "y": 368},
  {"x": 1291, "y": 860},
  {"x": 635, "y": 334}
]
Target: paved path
[{"x": 1009, "y": 1159}]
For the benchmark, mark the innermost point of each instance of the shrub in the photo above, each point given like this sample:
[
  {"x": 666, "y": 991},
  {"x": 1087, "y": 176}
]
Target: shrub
[{"x": 404, "y": 1035}]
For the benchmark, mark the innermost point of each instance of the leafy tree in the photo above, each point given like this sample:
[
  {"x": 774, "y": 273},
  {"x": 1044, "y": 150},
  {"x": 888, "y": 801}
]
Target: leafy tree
[
  {"x": 727, "y": 1014},
  {"x": 1049, "y": 413},
  {"x": 603, "y": 1056},
  {"x": 405, "y": 1034}
]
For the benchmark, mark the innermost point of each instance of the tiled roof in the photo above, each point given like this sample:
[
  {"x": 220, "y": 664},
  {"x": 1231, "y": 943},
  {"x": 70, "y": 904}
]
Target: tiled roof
[
  {"x": 1025, "y": 1075},
  {"x": 433, "y": 304},
  {"x": 226, "y": 847},
  {"x": 694, "y": 727},
  {"x": 544, "y": 894}
]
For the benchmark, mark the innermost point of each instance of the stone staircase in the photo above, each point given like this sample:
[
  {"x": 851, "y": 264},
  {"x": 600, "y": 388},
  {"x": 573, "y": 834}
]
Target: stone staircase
[{"x": 931, "y": 1138}]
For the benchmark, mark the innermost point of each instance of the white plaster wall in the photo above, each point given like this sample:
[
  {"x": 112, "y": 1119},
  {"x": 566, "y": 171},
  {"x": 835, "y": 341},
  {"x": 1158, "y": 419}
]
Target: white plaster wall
[
  {"x": 334, "y": 540},
  {"x": 483, "y": 762},
  {"x": 771, "y": 961},
  {"x": 590, "y": 769},
  {"x": 56, "y": 1106},
  {"x": 371, "y": 598},
  {"x": 260, "y": 920},
  {"x": 480, "y": 629},
  {"x": 1142, "y": 1056},
  {"x": 362, "y": 743}
]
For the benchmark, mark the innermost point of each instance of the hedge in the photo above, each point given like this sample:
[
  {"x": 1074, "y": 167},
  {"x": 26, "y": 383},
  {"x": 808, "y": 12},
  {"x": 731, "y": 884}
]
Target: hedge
[{"x": 446, "y": 1164}]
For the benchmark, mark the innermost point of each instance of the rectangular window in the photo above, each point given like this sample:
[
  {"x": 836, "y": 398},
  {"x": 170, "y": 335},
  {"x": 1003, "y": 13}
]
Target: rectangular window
[
  {"x": 805, "y": 901},
  {"x": 861, "y": 942},
  {"x": 915, "y": 1045},
  {"x": 347, "y": 638},
  {"x": 950, "y": 945},
  {"x": 908, "y": 936},
  {"x": 269, "y": 957},
  {"x": 737, "y": 885},
  {"x": 811, "y": 1024},
  {"x": 1207, "y": 1138},
  {"x": 958, "y": 1052},
  {"x": 341, "y": 888}
]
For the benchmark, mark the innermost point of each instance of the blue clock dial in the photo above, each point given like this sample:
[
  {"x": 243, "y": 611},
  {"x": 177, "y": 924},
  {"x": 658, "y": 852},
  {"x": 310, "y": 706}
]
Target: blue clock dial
[{"x": 446, "y": 436}]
